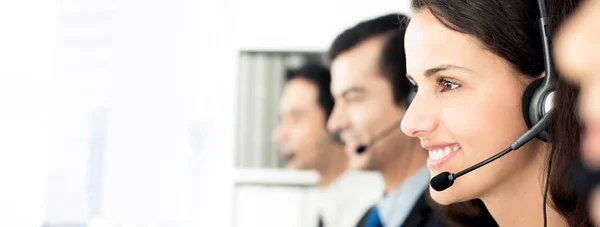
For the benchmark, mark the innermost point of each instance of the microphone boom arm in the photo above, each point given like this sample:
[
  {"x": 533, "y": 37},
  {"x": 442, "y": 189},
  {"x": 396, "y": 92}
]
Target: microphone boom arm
[{"x": 526, "y": 137}]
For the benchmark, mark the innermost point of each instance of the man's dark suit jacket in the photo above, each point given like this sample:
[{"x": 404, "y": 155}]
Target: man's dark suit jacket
[{"x": 423, "y": 216}]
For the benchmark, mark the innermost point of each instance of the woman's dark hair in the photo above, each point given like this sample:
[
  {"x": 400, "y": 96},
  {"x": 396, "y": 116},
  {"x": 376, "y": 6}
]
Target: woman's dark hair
[
  {"x": 463, "y": 214},
  {"x": 509, "y": 29}
]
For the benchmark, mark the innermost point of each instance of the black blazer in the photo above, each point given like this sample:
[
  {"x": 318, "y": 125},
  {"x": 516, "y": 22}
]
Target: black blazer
[{"x": 421, "y": 215}]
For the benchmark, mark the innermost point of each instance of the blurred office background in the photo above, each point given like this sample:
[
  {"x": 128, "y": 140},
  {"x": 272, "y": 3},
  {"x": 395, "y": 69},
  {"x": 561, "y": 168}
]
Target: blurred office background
[{"x": 156, "y": 113}]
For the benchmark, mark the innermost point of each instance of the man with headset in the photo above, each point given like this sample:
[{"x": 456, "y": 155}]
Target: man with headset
[
  {"x": 305, "y": 143},
  {"x": 372, "y": 94}
]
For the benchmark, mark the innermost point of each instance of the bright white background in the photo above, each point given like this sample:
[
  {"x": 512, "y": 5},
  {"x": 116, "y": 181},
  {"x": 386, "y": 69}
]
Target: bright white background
[
  {"x": 125, "y": 110},
  {"x": 302, "y": 25},
  {"x": 28, "y": 31}
]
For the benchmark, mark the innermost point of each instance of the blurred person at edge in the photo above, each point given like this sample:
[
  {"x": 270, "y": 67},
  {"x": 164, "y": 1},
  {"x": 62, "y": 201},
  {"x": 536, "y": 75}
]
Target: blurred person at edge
[
  {"x": 305, "y": 143},
  {"x": 577, "y": 53}
]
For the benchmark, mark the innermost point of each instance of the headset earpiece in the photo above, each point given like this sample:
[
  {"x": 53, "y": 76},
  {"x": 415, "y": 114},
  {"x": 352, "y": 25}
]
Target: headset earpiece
[
  {"x": 537, "y": 103},
  {"x": 527, "y": 100}
]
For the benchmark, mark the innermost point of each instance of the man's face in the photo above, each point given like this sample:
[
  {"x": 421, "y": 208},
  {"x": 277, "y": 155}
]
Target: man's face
[
  {"x": 365, "y": 107},
  {"x": 301, "y": 134}
]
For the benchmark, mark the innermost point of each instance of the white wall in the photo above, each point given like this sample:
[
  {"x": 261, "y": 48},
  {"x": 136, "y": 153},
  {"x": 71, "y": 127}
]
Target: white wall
[
  {"x": 27, "y": 48},
  {"x": 275, "y": 197},
  {"x": 307, "y": 25},
  {"x": 170, "y": 141},
  {"x": 165, "y": 74}
]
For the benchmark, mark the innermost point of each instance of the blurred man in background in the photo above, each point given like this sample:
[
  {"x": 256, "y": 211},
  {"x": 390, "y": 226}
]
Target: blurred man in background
[
  {"x": 371, "y": 98},
  {"x": 305, "y": 143}
]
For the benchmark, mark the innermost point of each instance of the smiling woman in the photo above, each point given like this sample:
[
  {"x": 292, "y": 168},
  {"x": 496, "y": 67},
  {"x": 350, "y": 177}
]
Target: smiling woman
[{"x": 471, "y": 71}]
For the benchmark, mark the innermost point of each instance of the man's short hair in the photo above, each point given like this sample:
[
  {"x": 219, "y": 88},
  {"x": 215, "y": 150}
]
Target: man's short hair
[
  {"x": 392, "y": 65},
  {"x": 321, "y": 78},
  {"x": 392, "y": 61}
]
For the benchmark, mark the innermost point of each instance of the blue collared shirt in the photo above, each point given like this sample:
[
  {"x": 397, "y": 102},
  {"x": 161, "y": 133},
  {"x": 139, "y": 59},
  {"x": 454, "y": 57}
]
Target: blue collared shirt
[{"x": 395, "y": 207}]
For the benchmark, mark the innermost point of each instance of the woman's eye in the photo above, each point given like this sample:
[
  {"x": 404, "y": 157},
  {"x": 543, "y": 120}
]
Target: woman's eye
[{"x": 447, "y": 85}]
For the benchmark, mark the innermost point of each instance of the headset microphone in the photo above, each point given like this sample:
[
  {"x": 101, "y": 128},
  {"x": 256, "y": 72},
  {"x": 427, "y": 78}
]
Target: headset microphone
[
  {"x": 363, "y": 147},
  {"x": 444, "y": 180}
]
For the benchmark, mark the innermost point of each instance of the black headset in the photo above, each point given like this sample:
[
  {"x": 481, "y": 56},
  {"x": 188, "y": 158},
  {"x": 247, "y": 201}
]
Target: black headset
[{"x": 538, "y": 98}]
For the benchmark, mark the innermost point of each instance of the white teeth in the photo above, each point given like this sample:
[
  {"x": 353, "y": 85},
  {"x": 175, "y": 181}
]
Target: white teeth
[{"x": 442, "y": 152}]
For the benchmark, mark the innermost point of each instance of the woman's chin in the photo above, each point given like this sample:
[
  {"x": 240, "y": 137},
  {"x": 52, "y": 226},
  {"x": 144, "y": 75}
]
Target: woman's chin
[{"x": 444, "y": 197}]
